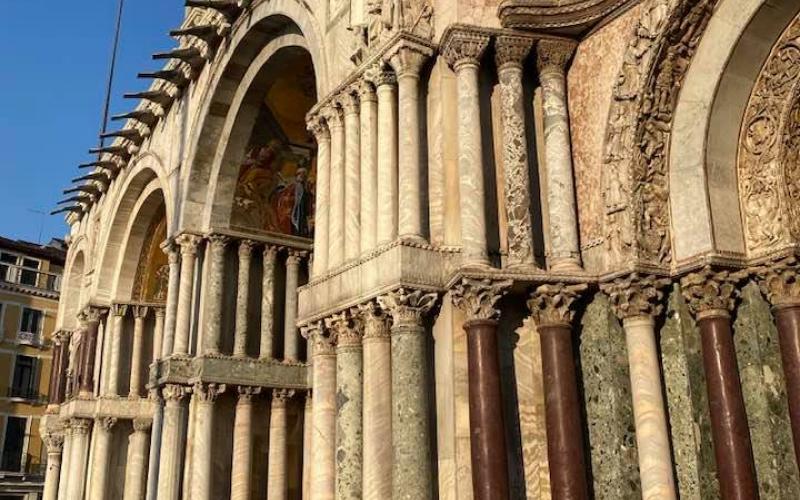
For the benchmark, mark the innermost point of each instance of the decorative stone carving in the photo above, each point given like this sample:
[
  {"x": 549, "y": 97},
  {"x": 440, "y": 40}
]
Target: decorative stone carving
[
  {"x": 462, "y": 46},
  {"x": 477, "y": 297},
  {"x": 376, "y": 324},
  {"x": 106, "y": 423},
  {"x": 710, "y": 292},
  {"x": 91, "y": 314},
  {"x": 407, "y": 58},
  {"x": 281, "y": 396},
  {"x": 119, "y": 309},
  {"x": 321, "y": 342},
  {"x": 188, "y": 244},
  {"x": 142, "y": 424},
  {"x": 349, "y": 101},
  {"x": 511, "y": 50},
  {"x": 54, "y": 442},
  {"x": 407, "y": 306},
  {"x": 246, "y": 393},
  {"x": 345, "y": 329},
  {"x": 553, "y": 55},
  {"x": 636, "y": 295},
  {"x": 551, "y": 304},
  {"x": 80, "y": 426},
  {"x": 333, "y": 116},
  {"x": 779, "y": 281},
  {"x": 207, "y": 392},
  {"x": 140, "y": 311},
  {"x": 175, "y": 393},
  {"x": 552, "y": 14}
]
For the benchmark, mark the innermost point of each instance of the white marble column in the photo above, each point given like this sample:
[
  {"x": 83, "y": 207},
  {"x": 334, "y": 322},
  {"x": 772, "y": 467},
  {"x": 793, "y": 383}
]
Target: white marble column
[
  {"x": 352, "y": 176},
  {"x": 66, "y": 462},
  {"x": 242, "y": 298},
  {"x": 510, "y": 51},
  {"x": 336, "y": 216},
  {"x": 101, "y": 458},
  {"x": 139, "y": 315},
  {"x": 267, "y": 303},
  {"x": 463, "y": 51},
  {"x": 136, "y": 468},
  {"x": 369, "y": 166},
  {"x": 277, "y": 487},
  {"x": 323, "y": 365},
  {"x": 118, "y": 311},
  {"x": 552, "y": 59},
  {"x": 172, "y": 442},
  {"x": 377, "y": 471},
  {"x": 154, "y": 458},
  {"x": 54, "y": 444},
  {"x": 80, "y": 454},
  {"x": 212, "y": 302},
  {"x": 386, "y": 85},
  {"x": 241, "y": 468},
  {"x": 158, "y": 332},
  {"x": 308, "y": 447},
  {"x": 183, "y": 320},
  {"x": 319, "y": 129},
  {"x": 291, "y": 340},
  {"x": 173, "y": 256},
  {"x": 407, "y": 59},
  {"x": 412, "y": 476},
  {"x": 205, "y": 395}
]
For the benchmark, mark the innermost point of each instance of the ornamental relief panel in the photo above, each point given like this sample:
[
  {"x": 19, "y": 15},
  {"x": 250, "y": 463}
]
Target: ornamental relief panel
[{"x": 769, "y": 187}]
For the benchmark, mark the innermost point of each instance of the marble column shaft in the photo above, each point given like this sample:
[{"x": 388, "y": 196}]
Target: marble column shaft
[
  {"x": 323, "y": 469},
  {"x": 241, "y": 468},
  {"x": 202, "y": 482},
  {"x": 92, "y": 320},
  {"x": 66, "y": 461},
  {"x": 139, "y": 315},
  {"x": 101, "y": 458},
  {"x": 291, "y": 339},
  {"x": 119, "y": 311},
  {"x": 308, "y": 447},
  {"x": 267, "y": 303},
  {"x": 158, "y": 333},
  {"x": 787, "y": 318},
  {"x": 154, "y": 459},
  {"x": 52, "y": 385},
  {"x": 172, "y": 443},
  {"x": 352, "y": 141},
  {"x": 183, "y": 321},
  {"x": 212, "y": 316},
  {"x": 54, "y": 444},
  {"x": 369, "y": 166},
  {"x": 552, "y": 60},
  {"x": 386, "y": 85},
  {"x": 322, "y": 206},
  {"x": 336, "y": 216},
  {"x": 173, "y": 256},
  {"x": 242, "y": 298},
  {"x": 377, "y": 460},
  {"x": 79, "y": 451},
  {"x": 277, "y": 484},
  {"x": 136, "y": 468}
]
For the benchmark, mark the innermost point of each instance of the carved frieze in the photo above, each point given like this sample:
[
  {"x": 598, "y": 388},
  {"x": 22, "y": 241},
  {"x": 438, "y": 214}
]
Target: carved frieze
[{"x": 556, "y": 14}]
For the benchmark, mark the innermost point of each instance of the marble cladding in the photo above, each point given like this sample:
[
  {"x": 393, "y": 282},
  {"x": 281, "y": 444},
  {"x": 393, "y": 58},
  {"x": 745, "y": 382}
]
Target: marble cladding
[
  {"x": 122, "y": 408},
  {"x": 233, "y": 371}
]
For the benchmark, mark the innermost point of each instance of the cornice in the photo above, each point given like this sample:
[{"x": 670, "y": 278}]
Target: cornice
[{"x": 564, "y": 15}]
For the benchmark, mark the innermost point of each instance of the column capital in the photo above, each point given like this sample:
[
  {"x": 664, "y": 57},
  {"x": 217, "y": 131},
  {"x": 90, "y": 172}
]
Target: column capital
[
  {"x": 207, "y": 392},
  {"x": 246, "y": 393},
  {"x": 321, "y": 344},
  {"x": 293, "y": 257},
  {"x": 160, "y": 311},
  {"x": 366, "y": 90},
  {"x": 140, "y": 311},
  {"x": 119, "y": 309},
  {"x": 281, "y": 396},
  {"x": 142, "y": 424},
  {"x": 91, "y": 314},
  {"x": 246, "y": 248},
  {"x": 333, "y": 116},
  {"x": 54, "y": 442},
  {"x": 188, "y": 243},
  {"x": 218, "y": 241},
  {"x": 105, "y": 423},
  {"x": 379, "y": 75},
  {"x": 171, "y": 250},
  {"x": 345, "y": 329},
  {"x": 407, "y": 58},
  {"x": 709, "y": 292},
  {"x": 511, "y": 50},
  {"x": 269, "y": 252},
  {"x": 175, "y": 393},
  {"x": 407, "y": 306},
  {"x": 551, "y": 304},
  {"x": 477, "y": 297},
  {"x": 349, "y": 101},
  {"x": 778, "y": 281},
  {"x": 319, "y": 128},
  {"x": 376, "y": 324},
  {"x": 80, "y": 426},
  {"x": 636, "y": 296},
  {"x": 462, "y": 47},
  {"x": 553, "y": 55}
]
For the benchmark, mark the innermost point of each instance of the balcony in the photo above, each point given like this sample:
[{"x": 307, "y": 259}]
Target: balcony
[
  {"x": 30, "y": 278},
  {"x": 29, "y": 338}
]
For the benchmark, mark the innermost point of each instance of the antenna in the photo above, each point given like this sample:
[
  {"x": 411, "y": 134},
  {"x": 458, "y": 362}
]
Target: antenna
[
  {"x": 112, "y": 65},
  {"x": 41, "y": 223}
]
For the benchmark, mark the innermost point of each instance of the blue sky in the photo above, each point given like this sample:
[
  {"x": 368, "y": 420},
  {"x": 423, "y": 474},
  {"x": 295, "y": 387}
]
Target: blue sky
[{"x": 54, "y": 57}]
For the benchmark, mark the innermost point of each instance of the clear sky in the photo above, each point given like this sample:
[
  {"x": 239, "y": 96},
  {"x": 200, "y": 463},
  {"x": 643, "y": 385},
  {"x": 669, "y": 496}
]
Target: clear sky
[{"x": 53, "y": 68}]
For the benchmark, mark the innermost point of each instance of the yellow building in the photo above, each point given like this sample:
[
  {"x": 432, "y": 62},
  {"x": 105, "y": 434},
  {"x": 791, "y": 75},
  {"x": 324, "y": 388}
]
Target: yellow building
[{"x": 30, "y": 280}]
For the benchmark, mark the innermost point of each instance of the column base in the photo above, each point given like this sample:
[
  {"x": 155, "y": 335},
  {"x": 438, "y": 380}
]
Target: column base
[
  {"x": 566, "y": 264},
  {"x": 413, "y": 238}
]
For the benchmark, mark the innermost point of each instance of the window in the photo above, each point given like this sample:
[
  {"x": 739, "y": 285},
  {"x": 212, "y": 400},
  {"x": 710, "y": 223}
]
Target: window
[
  {"x": 31, "y": 321},
  {"x": 24, "y": 383},
  {"x": 29, "y": 272},
  {"x": 15, "y": 440},
  {"x": 6, "y": 270},
  {"x": 18, "y": 269}
]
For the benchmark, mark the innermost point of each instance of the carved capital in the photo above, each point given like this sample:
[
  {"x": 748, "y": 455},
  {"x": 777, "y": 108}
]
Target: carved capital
[
  {"x": 407, "y": 58},
  {"x": 160, "y": 312},
  {"x": 54, "y": 442},
  {"x": 779, "y": 282},
  {"x": 463, "y": 47},
  {"x": 80, "y": 426},
  {"x": 477, "y": 297},
  {"x": 366, "y": 90},
  {"x": 246, "y": 249},
  {"x": 321, "y": 344},
  {"x": 551, "y": 304},
  {"x": 270, "y": 252},
  {"x": 319, "y": 128},
  {"x": 709, "y": 292},
  {"x": 333, "y": 116},
  {"x": 140, "y": 311},
  {"x": 119, "y": 309},
  {"x": 106, "y": 423},
  {"x": 218, "y": 242},
  {"x": 280, "y": 397},
  {"x": 406, "y": 306},
  {"x": 636, "y": 295},
  {"x": 246, "y": 393},
  {"x": 171, "y": 250},
  {"x": 379, "y": 75},
  {"x": 511, "y": 50},
  {"x": 174, "y": 393},
  {"x": 188, "y": 244},
  {"x": 349, "y": 101},
  {"x": 91, "y": 314},
  {"x": 345, "y": 329},
  {"x": 294, "y": 257},
  {"x": 553, "y": 55},
  {"x": 142, "y": 424},
  {"x": 376, "y": 324},
  {"x": 207, "y": 392}
]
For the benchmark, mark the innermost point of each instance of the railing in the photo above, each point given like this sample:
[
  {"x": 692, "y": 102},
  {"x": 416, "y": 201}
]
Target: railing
[
  {"x": 27, "y": 393},
  {"x": 29, "y": 338},
  {"x": 26, "y": 276}
]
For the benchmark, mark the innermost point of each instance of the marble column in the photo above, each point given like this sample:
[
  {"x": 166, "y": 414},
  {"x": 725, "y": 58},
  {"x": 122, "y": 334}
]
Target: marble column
[
  {"x": 59, "y": 370},
  {"x": 154, "y": 459},
  {"x": 352, "y": 176},
  {"x": 552, "y": 59},
  {"x": 267, "y": 303},
  {"x": 172, "y": 442},
  {"x": 550, "y": 307},
  {"x": 369, "y": 166},
  {"x": 158, "y": 333},
  {"x": 136, "y": 468},
  {"x": 291, "y": 339},
  {"x": 139, "y": 315},
  {"x": 91, "y": 318},
  {"x": 510, "y": 51},
  {"x": 711, "y": 295},
  {"x": 277, "y": 486},
  {"x": 407, "y": 59},
  {"x": 386, "y": 90},
  {"x": 118, "y": 311},
  {"x": 241, "y": 468},
  {"x": 212, "y": 302},
  {"x": 183, "y": 318},
  {"x": 377, "y": 460},
  {"x": 336, "y": 216},
  {"x": 637, "y": 302},
  {"x": 52, "y": 386},
  {"x": 54, "y": 444},
  {"x": 308, "y": 447},
  {"x": 204, "y": 396},
  {"x": 319, "y": 130},
  {"x": 346, "y": 331},
  {"x": 173, "y": 256},
  {"x": 477, "y": 299},
  {"x": 412, "y": 477},
  {"x": 242, "y": 298},
  {"x": 778, "y": 282},
  {"x": 323, "y": 366},
  {"x": 463, "y": 51},
  {"x": 101, "y": 458},
  {"x": 79, "y": 450},
  {"x": 66, "y": 462}
]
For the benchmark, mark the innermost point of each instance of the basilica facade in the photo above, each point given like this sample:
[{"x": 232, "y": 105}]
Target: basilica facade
[{"x": 419, "y": 249}]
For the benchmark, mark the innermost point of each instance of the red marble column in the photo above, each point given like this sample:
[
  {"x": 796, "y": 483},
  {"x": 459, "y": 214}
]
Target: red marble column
[
  {"x": 788, "y": 321},
  {"x": 52, "y": 389},
  {"x": 92, "y": 319}
]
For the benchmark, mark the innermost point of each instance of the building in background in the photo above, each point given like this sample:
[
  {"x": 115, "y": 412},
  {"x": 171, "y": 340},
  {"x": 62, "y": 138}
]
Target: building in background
[{"x": 30, "y": 280}]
